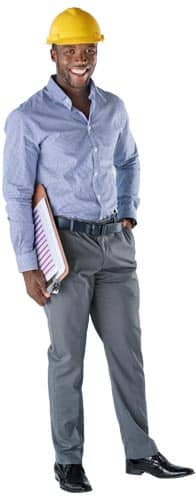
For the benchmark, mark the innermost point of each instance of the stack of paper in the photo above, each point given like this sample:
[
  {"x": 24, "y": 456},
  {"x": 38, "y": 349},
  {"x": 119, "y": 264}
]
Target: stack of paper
[{"x": 49, "y": 257}]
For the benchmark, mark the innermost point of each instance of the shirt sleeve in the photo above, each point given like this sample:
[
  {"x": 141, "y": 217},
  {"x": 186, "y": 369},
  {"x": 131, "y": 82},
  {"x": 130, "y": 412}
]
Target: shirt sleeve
[
  {"x": 127, "y": 163},
  {"x": 20, "y": 157}
]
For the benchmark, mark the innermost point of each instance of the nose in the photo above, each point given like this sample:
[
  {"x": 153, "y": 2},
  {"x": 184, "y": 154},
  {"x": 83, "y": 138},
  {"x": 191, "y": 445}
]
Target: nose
[{"x": 81, "y": 56}]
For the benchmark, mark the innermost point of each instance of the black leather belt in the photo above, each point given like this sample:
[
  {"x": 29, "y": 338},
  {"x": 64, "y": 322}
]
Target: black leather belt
[{"x": 92, "y": 228}]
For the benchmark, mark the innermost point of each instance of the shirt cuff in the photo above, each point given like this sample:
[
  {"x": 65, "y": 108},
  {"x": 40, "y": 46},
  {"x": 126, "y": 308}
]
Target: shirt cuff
[
  {"x": 127, "y": 212},
  {"x": 27, "y": 261}
]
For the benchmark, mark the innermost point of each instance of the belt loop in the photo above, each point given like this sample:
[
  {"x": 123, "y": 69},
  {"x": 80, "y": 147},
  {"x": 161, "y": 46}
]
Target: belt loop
[{"x": 71, "y": 225}]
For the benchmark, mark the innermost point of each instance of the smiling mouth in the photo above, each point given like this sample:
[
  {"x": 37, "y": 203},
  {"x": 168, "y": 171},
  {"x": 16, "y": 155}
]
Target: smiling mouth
[{"x": 79, "y": 71}]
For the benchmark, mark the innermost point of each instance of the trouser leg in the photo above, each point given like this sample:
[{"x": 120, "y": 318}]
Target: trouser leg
[
  {"x": 115, "y": 315},
  {"x": 68, "y": 316}
]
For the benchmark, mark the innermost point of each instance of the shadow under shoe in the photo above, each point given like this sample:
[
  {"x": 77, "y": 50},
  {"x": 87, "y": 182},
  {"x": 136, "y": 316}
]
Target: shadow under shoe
[
  {"x": 71, "y": 477},
  {"x": 158, "y": 466}
]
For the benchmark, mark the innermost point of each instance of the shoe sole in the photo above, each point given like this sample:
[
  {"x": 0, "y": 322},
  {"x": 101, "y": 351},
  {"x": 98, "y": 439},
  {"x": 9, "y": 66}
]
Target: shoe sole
[
  {"x": 69, "y": 489},
  {"x": 132, "y": 470}
]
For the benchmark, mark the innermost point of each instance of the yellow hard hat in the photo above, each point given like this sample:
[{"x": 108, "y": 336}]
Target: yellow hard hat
[{"x": 74, "y": 26}]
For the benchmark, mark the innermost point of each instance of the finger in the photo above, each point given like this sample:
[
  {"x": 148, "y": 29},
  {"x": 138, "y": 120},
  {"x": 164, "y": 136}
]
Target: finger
[
  {"x": 42, "y": 286},
  {"x": 41, "y": 297},
  {"x": 44, "y": 292}
]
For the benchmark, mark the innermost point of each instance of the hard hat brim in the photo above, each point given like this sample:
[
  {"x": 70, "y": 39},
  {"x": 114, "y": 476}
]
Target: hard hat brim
[{"x": 75, "y": 40}]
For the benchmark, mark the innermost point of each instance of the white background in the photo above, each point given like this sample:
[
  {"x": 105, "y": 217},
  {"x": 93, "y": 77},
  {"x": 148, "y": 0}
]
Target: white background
[{"x": 148, "y": 59}]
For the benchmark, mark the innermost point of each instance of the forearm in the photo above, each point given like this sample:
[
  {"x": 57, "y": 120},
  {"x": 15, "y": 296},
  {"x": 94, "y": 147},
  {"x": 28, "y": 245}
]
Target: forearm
[
  {"x": 22, "y": 235},
  {"x": 128, "y": 181}
]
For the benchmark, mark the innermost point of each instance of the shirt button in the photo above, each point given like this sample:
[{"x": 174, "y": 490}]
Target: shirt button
[
  {"x": 95, "y": 173},
  {"x": 98, "y": 196},
  {"x": 89, "y": 127},
  {"x": 95, "y": 149}
]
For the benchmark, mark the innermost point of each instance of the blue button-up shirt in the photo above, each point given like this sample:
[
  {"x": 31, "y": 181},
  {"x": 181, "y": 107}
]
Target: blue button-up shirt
[{"x": 90, "y": 167}]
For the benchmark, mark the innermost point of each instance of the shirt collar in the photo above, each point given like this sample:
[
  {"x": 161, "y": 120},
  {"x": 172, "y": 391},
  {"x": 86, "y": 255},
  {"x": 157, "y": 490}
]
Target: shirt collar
[{"x": 59, "y": 95}]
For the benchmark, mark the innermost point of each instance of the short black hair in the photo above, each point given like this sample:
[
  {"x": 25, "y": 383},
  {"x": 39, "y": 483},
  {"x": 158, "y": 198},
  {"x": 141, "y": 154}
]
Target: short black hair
[{"x": 54, "y": 46}]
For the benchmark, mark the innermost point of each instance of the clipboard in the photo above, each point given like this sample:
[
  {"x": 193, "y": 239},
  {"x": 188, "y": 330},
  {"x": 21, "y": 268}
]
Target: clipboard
[{"x": 49, "y": 249}]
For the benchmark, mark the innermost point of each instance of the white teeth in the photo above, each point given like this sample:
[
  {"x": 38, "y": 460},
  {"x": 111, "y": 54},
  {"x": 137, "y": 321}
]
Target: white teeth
[{"x": 79, "y": 71}]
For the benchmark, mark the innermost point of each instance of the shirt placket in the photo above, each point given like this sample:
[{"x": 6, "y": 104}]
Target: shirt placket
[{"x": 95, "y": 151}]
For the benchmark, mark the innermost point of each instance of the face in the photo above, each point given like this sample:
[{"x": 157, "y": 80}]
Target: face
[{"x": 75, "y": 63}]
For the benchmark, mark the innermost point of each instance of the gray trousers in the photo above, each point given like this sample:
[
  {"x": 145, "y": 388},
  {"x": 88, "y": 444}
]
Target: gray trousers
[{"x": 102, "y": 282}]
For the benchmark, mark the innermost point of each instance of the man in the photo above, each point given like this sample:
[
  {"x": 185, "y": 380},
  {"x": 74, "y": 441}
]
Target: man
[{"x": 74, "y": 138}]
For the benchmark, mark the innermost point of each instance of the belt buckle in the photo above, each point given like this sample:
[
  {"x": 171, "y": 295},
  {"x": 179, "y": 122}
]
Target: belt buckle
[
  {"x": 94, "y": 228},
  {"x": 88, "y": 226}
]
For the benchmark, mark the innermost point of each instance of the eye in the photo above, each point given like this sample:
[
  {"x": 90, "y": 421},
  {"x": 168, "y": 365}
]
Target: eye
[
  {"x": 69, "y": 51},
  {"x": 91, "y": 50}
]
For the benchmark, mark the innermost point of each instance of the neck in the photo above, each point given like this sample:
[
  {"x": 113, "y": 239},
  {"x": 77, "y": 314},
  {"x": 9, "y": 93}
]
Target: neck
[{"x": 75, "y": 94}]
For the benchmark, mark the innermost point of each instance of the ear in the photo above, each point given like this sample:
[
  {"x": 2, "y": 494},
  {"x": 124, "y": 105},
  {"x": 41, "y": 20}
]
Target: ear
[{"x": 53, "y": 54}]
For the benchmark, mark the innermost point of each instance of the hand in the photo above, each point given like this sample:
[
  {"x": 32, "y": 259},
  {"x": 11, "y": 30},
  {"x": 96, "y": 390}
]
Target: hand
[
  {"x": 126, "y": 223},
  {"x": 36, "y": 286}
]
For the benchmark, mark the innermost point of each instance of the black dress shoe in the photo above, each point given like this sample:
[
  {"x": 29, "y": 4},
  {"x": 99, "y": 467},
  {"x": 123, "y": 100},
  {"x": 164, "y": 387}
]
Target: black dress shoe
[
  {"x": 71, "y": 477},
  {"x": 157, "y": 465}
]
